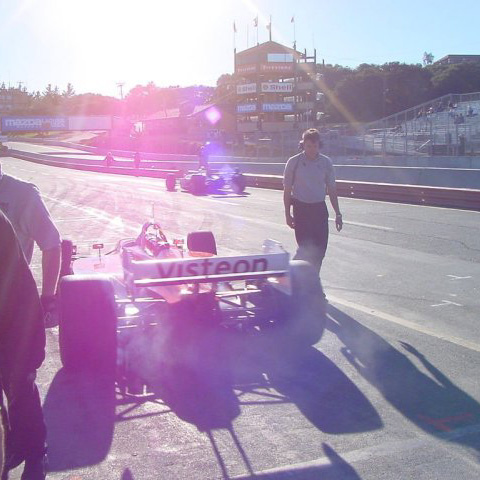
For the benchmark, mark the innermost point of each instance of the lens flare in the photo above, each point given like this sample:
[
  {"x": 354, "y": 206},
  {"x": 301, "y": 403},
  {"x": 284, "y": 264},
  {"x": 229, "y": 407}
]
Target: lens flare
[{"x": 213, "y": 115}]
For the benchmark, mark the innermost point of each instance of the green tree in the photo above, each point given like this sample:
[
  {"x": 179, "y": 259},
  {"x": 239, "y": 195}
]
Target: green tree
[
  {"x": 69, "y": 92},
  {"x": 458, "y": 78}
]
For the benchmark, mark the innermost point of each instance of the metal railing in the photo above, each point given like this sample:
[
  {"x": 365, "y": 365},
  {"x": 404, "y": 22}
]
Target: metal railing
[{"x": 449, "y": 125}]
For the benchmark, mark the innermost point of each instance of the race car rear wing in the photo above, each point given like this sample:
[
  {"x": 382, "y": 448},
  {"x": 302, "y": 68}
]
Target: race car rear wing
[{"x": 163, "y": 272}]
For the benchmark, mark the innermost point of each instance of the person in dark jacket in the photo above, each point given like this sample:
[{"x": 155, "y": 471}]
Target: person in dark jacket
[{"x": 22, "y": 351}]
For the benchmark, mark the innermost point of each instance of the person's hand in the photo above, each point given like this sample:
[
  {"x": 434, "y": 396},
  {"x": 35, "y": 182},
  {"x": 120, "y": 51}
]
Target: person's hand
[
  {"x": 290, "y": 221},
  {"x": 49, "y": 305},
  {"x": 411, "y": 349},
  {"x": 339, "y": 222}
]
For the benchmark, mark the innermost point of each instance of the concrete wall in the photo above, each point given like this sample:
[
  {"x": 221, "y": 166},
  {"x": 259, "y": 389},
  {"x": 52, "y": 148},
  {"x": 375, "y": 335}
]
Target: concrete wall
[
  {"x": 378, "y": 171},
  {"x": 435, "y": 177}
]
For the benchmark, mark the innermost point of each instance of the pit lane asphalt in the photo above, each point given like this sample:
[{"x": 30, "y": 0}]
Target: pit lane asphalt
[{"x": 390, "y": 391}]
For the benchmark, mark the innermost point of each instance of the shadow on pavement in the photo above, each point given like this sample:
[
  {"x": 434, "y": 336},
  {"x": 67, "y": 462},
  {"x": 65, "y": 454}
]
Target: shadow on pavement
[
  {"x": 337, "y": 469},
  {"x": 127, "y": 475},
  {"x": 204, "y": 396},
  {"x": 429, "y": 399},
  {"x": 79, "y": 412},
  {"x": 218, "y": 369},
  {"x": 204, "y": 377},
  {"x": 323, "y": 393}
]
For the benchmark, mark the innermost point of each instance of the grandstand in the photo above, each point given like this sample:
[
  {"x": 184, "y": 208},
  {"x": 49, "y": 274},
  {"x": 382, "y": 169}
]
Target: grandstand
[{"x": 448, "y": 125}]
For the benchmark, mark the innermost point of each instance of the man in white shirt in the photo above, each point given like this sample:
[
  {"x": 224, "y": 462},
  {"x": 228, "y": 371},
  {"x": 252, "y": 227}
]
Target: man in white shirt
[{"x": 309, "y": 176}]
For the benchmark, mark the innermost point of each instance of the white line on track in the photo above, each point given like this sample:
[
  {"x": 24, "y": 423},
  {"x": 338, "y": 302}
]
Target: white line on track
[
  {"x": 220, "y": 201},
  {"x": 407, "y": 324},
  {"x": 74, "y": 219},
  {"x": 385, "y": 449},
  {"x": 149, "y": 190},
  {"x": 366, "y": 225},
  {"x": 114, "y": 222},
  {"x": 408, "y": 204}
]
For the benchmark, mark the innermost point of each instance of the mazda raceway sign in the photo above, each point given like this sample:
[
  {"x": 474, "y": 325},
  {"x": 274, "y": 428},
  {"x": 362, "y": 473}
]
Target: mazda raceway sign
[{"x": 33, "y": 124}]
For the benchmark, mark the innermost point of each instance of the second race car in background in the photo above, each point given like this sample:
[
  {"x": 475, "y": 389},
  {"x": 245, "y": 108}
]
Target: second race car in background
[{"x": 203, "y": 181}]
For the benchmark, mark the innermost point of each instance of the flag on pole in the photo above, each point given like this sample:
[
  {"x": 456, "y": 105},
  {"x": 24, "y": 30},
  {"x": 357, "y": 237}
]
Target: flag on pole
[
  {"x": 255, "y": 21},
  {"x": 234, "y": 28},
  {"x": 293, "y": 19},
  {"x": 269, "y": 28}
]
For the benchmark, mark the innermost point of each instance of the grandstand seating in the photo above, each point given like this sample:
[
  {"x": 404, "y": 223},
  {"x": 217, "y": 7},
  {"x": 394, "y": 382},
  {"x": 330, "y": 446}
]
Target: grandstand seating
[{"x": 441, "y": 126}]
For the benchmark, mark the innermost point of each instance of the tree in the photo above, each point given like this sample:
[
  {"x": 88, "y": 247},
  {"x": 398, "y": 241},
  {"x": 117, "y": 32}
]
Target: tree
[
  {"x": 224, "y": 92},
  {"x": 458, "y": 78},
  {"x": 427, "y": 58},
  {"x": 69, "y": 92}
]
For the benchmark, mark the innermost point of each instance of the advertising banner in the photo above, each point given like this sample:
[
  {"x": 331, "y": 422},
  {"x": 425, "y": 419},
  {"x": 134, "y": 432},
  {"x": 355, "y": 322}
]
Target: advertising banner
[
  {"x": 277, "y": 87},
  {"x": 246, "y": 88},
  {"x": 33, "y": 124},
  {"x": 246, "y": 108},
  {"x": 92, "y": 122},
  {"x": 277, "y": 107},
  {"x": 248, "y": 68},
  {"x": 276, "y": 67}
]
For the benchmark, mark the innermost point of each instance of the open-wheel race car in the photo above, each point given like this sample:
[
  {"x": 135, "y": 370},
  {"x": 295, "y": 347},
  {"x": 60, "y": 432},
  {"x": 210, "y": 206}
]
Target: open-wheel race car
[
  {"x": 147, "y": 281},
  {"x": 202, "y": 181}
]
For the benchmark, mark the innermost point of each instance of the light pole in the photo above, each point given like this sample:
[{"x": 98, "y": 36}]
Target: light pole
[{"x": 120, "y": 86}]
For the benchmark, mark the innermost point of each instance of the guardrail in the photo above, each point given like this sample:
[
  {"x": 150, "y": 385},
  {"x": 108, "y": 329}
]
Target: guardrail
[
  {"x": 468, "y": 199},
  {"x": 64, "y": 162}
]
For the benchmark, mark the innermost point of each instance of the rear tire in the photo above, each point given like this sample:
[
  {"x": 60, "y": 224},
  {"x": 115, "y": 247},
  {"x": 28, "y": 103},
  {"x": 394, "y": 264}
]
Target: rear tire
[
  {"x": 202, "y": 242},
  {"x": 88, "y": 324},
  {"x": 198, "y": 185},
  {"x": 170, "y": 182},
  {"x": 238, "y": 183}
]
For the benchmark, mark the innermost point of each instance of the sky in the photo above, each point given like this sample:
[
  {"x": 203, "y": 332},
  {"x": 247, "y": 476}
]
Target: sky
[{"x": 96, "y": 44}]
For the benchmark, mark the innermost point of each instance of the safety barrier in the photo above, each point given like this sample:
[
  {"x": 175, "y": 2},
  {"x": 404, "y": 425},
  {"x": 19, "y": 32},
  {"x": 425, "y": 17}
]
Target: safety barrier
[{"x": 468, "y": 199}]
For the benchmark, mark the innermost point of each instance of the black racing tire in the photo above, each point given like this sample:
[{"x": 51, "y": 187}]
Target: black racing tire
[
  {"x": 203, "y": 241},
  {"x": 198, "y": 185},
  {"x": 305, "y": 308},
  {"x": 238, "y": 182},
  {"x": 170, "y": 182},
  {"x": 88, "y": 324}
]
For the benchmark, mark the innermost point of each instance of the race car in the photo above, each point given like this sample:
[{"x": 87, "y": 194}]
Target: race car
[
  {"x": 149, "y": 282},
  {"x": 202, "y": 181}
]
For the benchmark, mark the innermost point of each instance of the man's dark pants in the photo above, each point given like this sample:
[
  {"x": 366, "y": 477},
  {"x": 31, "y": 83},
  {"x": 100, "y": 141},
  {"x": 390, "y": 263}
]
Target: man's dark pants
[
  {"x": 311, "y": 231},
  {"x": 24, "y": 424}
]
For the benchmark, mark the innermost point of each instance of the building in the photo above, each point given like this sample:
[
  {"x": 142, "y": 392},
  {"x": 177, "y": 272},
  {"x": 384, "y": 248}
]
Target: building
[
  {"x": 12, "y": 100},
  {"x": 454, "y": 59},
  {"x": 276, "y": 89},
  {"x": 194, "y": 122}
]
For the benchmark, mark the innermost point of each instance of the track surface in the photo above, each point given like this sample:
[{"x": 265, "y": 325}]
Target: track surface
[{"x": 390, "y": 392}]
